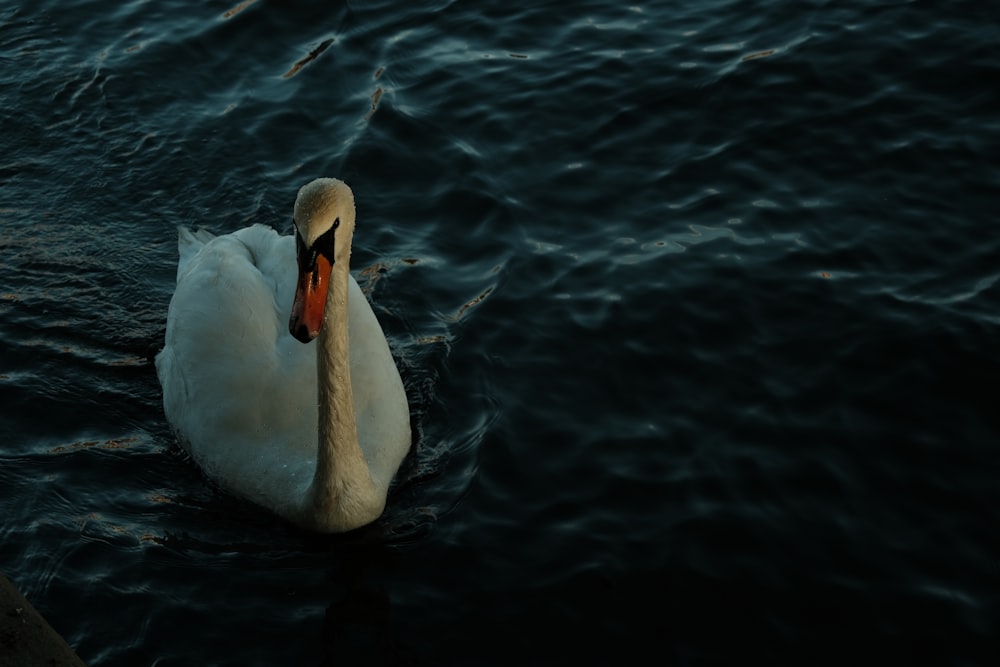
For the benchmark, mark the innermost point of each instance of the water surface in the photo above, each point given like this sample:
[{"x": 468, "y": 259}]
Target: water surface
[{"x": 696, "y": 305}]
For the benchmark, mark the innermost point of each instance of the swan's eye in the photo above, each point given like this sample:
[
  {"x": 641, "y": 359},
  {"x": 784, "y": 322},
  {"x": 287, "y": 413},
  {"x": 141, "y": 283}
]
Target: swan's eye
[
  {"x": 324, "y": 244},
  {"x": 336, "y": 223}
]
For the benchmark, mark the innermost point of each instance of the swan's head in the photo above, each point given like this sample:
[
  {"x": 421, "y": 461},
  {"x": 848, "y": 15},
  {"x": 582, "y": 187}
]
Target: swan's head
[{"x": 324, "y": 224}]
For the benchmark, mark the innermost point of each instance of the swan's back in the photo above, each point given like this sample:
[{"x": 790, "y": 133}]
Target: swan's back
[{"x": 241, "y": 393}]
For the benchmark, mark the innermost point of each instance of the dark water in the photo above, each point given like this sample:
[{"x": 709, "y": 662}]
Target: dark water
[{"x": 696, "y": 304}]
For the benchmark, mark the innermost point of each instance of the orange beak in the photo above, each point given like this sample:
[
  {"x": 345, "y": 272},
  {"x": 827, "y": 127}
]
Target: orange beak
[{"x": 310, "y": 296}]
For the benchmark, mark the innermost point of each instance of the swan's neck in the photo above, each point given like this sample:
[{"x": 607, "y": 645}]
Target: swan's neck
[{"x": 342, "y": 494}]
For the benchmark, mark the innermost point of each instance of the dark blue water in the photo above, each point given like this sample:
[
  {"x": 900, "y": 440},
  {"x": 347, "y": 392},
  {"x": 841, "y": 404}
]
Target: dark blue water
[{"x": 696, "y": 305}]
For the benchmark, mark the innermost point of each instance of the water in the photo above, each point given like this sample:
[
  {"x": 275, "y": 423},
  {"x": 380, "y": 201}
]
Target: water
[{"x": 696, "y": 305}]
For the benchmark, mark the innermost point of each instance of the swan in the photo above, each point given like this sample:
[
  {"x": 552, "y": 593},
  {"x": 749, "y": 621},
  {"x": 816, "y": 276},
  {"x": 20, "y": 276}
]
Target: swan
[{"x": 315, "y": 432}]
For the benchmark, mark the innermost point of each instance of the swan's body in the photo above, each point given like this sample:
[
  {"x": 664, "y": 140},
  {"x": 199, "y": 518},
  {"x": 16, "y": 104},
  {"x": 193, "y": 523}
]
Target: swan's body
[{"x": 313, "y": 432}]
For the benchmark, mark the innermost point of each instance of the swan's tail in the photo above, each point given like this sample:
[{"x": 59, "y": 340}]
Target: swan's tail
[{"x": 189, "y": 242}]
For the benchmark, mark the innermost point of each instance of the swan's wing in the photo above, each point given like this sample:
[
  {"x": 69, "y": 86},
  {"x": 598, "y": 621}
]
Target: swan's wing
[
  {"x": 380, "y": 404},
  {"x": 237, "y": 389},
  {"x": 189, "y": 242}
]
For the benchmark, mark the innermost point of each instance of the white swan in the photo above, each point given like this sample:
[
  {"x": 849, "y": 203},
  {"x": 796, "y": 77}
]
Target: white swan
[{"x": 314, "y": 432}]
